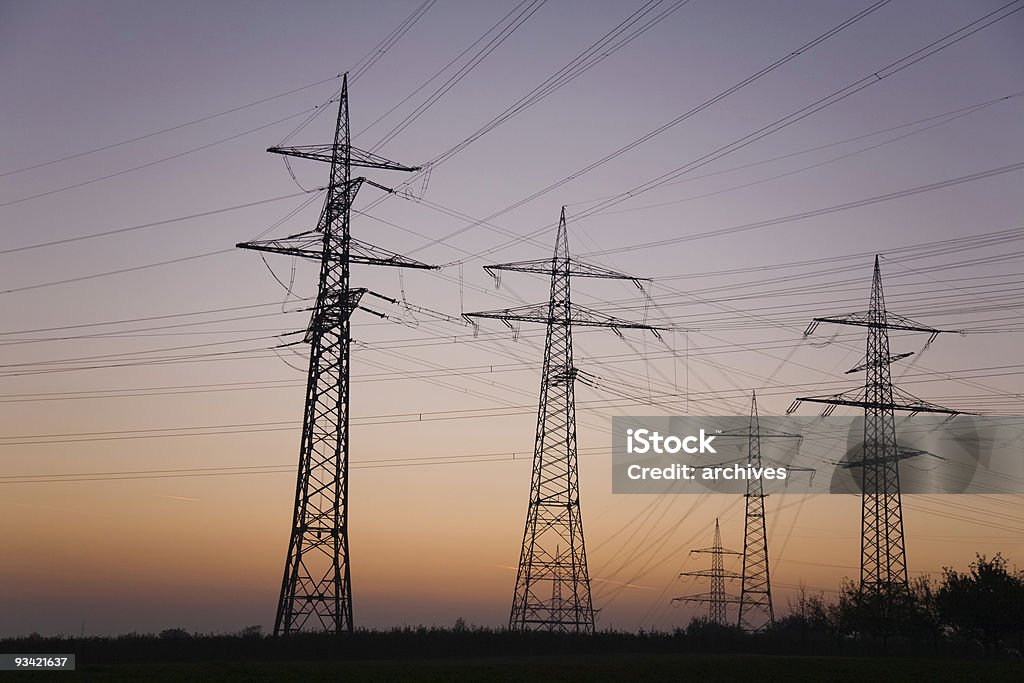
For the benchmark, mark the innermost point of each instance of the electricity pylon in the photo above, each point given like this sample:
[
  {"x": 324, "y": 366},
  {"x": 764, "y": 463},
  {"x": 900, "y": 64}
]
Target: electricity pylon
[
  {"x": 718, "y": 600},
  {"x": 883, "y": 560},
  {"x": 756, "y": 593},
  {"x": 316, "y": 591},
  {"x": 756, "y": 610},
  {"x": 552, "y": 584}
]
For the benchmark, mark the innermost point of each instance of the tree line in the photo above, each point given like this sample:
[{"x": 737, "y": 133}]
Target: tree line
[{"x": 981, "y": 609}]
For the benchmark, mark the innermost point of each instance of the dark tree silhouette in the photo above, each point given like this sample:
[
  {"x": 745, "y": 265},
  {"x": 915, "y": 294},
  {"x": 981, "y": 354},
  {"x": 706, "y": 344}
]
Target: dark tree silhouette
[{"x": 985, "y": 603}]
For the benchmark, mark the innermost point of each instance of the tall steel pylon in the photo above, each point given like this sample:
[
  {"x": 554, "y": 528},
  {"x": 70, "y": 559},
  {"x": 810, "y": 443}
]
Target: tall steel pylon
[
  {"x": 883, "y": 563},
  {"x": 756, "y": 610},
  {"x": 316, "y": 591},
  {"x": 717, "y": 599},
  {"x": 552, "y": 584}
]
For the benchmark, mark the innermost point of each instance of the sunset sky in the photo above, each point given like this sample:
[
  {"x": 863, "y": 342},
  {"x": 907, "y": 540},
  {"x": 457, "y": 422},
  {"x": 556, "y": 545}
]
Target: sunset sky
[{"x": 149, "y": 429}]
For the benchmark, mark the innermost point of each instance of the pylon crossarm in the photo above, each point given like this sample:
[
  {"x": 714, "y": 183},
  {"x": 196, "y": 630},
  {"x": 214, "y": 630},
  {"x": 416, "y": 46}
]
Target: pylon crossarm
[
  {"x": 912, "y": 407},
  {"x": 712, "y": 573},
  {"x": 575, "y": 268},
  {"x": 892, "y": 321},
  {"x": 706, "y": 597},
  {"x": 714, "y": 550},
  {"x": 580, "y": 317},
  {"x": 360, "y": 157},
  {"x": 901, "y": 454},
  {"x": 587, "y": 317},
  {"x": 888, "y": 360},
  {"x": 853, "y": 396},
  {"x": 372, "y": 255},
  {"x": 309, "y": 245},
  {"x": 917, "y": 405},
  {"x": 789, "y": 468}
]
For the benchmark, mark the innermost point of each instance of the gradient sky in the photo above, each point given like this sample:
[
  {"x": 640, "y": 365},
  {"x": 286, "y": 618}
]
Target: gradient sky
[{"x": 179, "y": 375}]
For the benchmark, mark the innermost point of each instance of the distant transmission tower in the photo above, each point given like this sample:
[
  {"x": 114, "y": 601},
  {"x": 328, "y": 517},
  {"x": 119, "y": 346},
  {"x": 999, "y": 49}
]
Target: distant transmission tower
[
  {"x": 756, "y": 610},
  {"x": 316, "y": 593},
  {"x": 716, "y": 598},
  {"x": 552, "y": 585},
  {"x": 883, "y": 563}
]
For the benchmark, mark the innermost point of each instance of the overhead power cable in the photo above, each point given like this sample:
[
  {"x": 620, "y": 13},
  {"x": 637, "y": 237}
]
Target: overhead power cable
[
  {"x": 366, "y": 63},
  {"x": 526, "y": 9},
  {"x": 179, "y": 126},
  {"x": 153, "y": 224},
  {"x": 149, "y": 164},
  {"x": 679, "y": 119},
  {"x": 814, "y": 213},
  {"x": 798, "y": 115}
]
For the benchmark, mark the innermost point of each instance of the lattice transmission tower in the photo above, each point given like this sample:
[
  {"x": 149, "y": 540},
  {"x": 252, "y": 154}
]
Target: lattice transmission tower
[
  {"x": 316, "y": 591},
  {"x": 883, "y": 561},
  {"x": 717, "y": 599},
  {"x": 552, "y": 583},
  {"x": 756, "y": 610}
]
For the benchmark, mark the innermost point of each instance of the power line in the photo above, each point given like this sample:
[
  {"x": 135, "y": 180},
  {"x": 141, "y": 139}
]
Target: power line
[
  {"x": 149, "y": 164},
  {"x": 447, "y": 66},
  {"x": 943, "y": 118},
  {"x": 172, "y": 128},
  {"x": 814, "y": 213},
  {"x": 704, "y": 105},
  {"x": 368, "y": 61},
  {"x": 597, "y": 52},
  {"x": 418, "y": 461},
  {"x": 119, "y": 271},
  {"x": 153, "y": 224},
  {"x": 779, "y": 124},
  {"x": 503, "y": 34}
]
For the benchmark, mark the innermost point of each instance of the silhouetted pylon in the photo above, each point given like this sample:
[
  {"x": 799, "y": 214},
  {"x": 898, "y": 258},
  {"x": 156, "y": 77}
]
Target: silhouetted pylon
[
  {"x": 756, "y": 609},
  {"x": 716, "y": 598},
  {"x": 316, "y": 591},
  {"x": 552, "y": 583},
  {"x": 883, "y": 564}
]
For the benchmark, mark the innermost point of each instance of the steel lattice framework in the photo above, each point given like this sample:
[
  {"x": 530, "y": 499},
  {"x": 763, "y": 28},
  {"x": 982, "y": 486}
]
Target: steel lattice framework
[
  {"x": 316, "y": 591},
  {"x": 552, "y": 584},
  {"x": 756, "y": 610},
  {"x": 883, "y": 564},
  {"x": 717, "y": 599}
]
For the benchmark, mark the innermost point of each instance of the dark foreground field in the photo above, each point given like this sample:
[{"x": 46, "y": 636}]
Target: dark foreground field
[
  {"x": 643, "y": 667},
  {"x": 700, "y": 653}
]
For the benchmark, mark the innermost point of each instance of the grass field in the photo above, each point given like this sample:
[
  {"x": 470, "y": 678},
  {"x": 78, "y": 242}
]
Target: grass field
[{"x": 637, "y": 667}]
